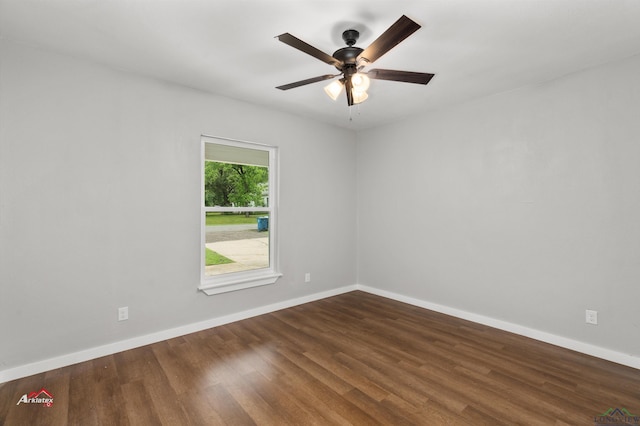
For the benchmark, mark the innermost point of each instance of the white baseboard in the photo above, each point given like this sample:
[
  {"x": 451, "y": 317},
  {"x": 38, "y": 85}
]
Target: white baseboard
[
  {"x": 135, "y": 342},
  {"x": 575, "y": 345},
  {"x": 123, "y": 345}
]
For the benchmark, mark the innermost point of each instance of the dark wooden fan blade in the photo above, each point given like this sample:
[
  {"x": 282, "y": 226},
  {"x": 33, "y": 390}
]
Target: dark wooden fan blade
[
  {"x": 404, "y": 76},
  {"x": 307, "y": 81},
  {"x": 295, "y": 42},
  {"x": 397, "y": 32}
]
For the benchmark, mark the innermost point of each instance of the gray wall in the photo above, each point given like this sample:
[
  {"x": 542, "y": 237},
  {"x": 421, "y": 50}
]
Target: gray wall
[
  {"x": 100, "y": 204},
  {"x": 523, "y": 207}
]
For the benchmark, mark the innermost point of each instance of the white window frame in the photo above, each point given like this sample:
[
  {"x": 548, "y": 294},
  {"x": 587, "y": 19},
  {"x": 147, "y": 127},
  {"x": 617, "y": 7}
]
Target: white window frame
[{"x": 216, "y": 284}]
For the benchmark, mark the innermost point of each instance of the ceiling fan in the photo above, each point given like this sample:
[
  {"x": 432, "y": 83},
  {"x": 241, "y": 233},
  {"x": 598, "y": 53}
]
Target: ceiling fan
[{"x": 351, "y": 60}]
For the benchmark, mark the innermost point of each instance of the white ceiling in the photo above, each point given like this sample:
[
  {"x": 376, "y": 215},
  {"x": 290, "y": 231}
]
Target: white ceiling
[{"x": 227, "y": 47}]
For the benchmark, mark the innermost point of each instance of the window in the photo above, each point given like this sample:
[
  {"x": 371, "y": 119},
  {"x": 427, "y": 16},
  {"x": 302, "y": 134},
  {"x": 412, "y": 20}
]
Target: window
[{"x": 239, "y": 218}]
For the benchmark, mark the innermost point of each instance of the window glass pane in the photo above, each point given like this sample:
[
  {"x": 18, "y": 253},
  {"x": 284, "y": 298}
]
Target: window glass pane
[
  {"x": 235, "y": 185},
  {"x": 236, "y": 242}
]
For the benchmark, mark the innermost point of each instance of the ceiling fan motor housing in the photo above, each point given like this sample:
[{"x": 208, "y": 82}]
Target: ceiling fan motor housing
[
  {"x": 350, "y": 37},
  {"x": 347, "y": 55}
]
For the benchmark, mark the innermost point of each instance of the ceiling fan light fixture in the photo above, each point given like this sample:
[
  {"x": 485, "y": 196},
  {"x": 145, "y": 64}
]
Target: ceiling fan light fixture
[
  {"x": 359, "y": 96},
  {"x": 360, "y": 82},
  {"x": 334, "y": 89}
]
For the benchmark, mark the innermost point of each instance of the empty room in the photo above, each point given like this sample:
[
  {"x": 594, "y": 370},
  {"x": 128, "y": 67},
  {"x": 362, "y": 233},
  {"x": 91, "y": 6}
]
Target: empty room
[{"x": 218, "y": 212}]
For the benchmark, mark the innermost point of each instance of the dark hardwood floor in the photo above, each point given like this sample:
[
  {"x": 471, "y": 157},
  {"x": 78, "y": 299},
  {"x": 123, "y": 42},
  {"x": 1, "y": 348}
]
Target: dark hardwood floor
[{"x": 351, "y": 359}]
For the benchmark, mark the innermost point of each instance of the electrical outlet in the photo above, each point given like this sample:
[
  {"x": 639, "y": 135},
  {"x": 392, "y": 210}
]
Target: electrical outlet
[
  {"x": 307, "y": 277},
  {"x": 123, "y": 313},
  {"x": 591, "y": 317}
]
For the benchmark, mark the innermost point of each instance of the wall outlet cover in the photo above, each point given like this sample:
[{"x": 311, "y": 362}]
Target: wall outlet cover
[{"x": 123, "y": 313}]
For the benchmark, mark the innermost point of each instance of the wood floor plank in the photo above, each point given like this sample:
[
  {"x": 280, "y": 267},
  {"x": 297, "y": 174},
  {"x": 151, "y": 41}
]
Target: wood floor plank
[
  {"x": 254, "y": 405},
  {"x": 378, "y": 411},
  {"x": 339, "y": 404},
  {"x": 226, "y": 407},
  {"x": 359, "y": 381},
  {"x": 305, "y": 391},
  {"x": 352, "y": 359},
  {"x": 94, "y": 392},
  {"x": 137, "y": 407},
  {"x": 315, "y": 370},
  {"x": 198, "y": 410},
  {"x": 284, "y": 403}
]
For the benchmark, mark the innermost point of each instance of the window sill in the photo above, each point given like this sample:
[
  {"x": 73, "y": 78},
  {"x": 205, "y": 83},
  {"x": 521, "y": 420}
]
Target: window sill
[{"x": 226, "y": 285}]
